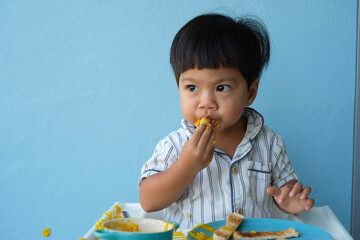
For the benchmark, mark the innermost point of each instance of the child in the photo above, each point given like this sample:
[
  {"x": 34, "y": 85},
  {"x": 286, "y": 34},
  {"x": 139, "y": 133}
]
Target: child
[{"x": 233, "y": 162}]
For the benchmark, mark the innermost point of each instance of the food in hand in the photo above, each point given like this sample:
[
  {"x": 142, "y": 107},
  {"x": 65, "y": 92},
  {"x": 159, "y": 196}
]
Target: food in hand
[
  {"x": 232, "y": 222},
  {"x": 207, "y": 121},
  {"x": 289, "y": 233}
]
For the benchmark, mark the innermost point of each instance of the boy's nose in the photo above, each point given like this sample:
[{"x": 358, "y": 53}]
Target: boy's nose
[{"x": 207, "y": 102}]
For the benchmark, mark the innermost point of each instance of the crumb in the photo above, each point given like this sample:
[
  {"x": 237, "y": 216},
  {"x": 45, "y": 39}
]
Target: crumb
[{"x": 46, "y": 232}]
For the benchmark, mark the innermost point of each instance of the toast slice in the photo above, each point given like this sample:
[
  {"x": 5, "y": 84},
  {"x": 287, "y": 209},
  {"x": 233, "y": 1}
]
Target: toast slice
[
  {"x": 289, "y": 233},
  {"x": 232, "y": 222}
]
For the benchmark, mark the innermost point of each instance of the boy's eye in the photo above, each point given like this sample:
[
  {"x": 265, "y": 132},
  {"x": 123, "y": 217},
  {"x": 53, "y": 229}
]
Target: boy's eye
[
  {"x": 192, "y": 88},
  {"x": 222, "y": 88}
]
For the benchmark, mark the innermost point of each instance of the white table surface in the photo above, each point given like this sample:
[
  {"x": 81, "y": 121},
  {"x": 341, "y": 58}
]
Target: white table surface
[{"x": 321, "y": 217}]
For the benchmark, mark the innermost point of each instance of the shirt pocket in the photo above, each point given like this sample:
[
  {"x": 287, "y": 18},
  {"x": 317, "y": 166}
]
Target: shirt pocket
[{"x": 259, "y": 180}]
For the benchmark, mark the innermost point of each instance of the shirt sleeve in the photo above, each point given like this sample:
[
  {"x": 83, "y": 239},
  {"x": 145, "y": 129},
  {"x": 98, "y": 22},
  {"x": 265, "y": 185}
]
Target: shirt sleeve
[
  {"x": 165, "y": 154},
  {"x": 283, "y": 171}
]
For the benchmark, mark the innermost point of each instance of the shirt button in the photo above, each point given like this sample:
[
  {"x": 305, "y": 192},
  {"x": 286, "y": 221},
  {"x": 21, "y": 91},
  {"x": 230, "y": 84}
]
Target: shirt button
[{"x": 234, "y": 170}]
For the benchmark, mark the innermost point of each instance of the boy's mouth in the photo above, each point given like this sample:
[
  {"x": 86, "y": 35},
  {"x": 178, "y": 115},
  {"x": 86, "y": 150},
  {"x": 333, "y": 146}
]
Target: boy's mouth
[{"x": 208, "y": 121}]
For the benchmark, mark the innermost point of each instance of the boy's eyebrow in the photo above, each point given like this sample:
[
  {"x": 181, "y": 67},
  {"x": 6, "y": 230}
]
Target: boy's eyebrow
[
  {"x": 188, "y": 79},
  {"x": 225, "y": 79}
]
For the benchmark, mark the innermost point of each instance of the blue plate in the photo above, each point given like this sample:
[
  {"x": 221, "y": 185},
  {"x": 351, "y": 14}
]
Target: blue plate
[{"x": 306, "y": 231}]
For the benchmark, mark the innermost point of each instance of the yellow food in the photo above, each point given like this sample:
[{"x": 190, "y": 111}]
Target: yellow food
[
  {"x": 167, "y": 224},
  {"x": 114, "y": 213},
  {"x": 98, "y": 225},
  {"x": 46, "y": 232},
  {"x": 199, "y": 235},
  {"x": 203, "y": 120},
  {"x": 207, "y": 121},
  {"x": 108, "y": 214},
  {"x": 179, "y": 235},
  {"x": 118, "y": 209},
  {"x": 132, "y": 227},
  {"x": 207, "y": 228}
]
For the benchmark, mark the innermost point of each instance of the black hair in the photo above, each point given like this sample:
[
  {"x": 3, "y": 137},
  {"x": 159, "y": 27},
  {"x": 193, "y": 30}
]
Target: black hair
[{"x": 214, "y": 41}]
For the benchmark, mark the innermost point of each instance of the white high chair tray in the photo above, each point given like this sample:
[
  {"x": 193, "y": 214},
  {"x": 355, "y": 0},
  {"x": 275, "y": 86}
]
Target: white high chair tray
[{"x": 321, "y": 217}]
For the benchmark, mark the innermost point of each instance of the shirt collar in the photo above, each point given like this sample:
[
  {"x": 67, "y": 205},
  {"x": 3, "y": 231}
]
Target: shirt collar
[{"x": 255, "y": 122}]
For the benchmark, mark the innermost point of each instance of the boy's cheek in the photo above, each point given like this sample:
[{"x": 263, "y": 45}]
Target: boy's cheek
[
  {"x": 190, "y": 119},
  {"x": 188, "y": 114}
]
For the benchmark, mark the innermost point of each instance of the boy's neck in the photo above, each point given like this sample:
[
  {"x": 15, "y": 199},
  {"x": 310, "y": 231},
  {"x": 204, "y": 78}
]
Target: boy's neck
[{"x": 229, "y": 139}]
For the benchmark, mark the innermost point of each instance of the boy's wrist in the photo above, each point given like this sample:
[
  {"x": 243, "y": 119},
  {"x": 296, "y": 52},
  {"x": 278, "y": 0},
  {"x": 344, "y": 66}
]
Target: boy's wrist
[{"x": 185, "y": 171}]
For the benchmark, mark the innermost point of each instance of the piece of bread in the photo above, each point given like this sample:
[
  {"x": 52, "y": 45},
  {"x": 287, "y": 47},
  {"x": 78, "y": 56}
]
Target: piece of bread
[
  {"x": 223, "y": 233},
  {"x": 289, "y": 233},
  {"x": 232, "y": 222}
]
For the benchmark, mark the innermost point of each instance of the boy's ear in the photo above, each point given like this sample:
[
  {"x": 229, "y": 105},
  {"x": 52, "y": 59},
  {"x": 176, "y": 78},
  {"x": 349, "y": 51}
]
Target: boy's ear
[{"x": 253, "y": 91}]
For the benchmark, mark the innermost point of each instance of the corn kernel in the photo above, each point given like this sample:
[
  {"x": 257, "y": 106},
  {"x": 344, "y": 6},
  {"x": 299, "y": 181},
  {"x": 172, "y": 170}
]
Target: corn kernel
[
  {"x": 108, "y": 214},
  {"x": 203, "y": 120},
  {"x": 206, "y": 121},
  {"x": 46, "y": 232},
  {"x": 118, "y": 209},
  {"x": 99, "y": 227}
]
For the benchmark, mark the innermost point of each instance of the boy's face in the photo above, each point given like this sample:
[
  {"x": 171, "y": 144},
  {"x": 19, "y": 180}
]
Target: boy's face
[{"x": 219, "y": 94}]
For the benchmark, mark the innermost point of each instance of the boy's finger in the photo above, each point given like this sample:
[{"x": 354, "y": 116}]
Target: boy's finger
[
  {"x": 211, "y": 144},
  {"x": 198, "y": 133},
  {"x": 204, "y": 138},
  {"x": 274, "y": 191},
  {"x": 309, "y": 204},
  {"x": 296, "y": 189},
  {"x": 305, "y": 193},
  {"x": 284, "y": 194}
]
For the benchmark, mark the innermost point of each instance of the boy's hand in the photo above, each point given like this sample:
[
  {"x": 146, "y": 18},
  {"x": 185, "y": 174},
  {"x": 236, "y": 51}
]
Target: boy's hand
[
  {"x": 292, "y": 197},
  {"x": 197, "y": 152}
]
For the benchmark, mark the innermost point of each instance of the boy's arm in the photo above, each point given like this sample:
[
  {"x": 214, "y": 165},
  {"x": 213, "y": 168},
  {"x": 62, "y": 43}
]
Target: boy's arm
[
  {"x": 292, "y": 198},
  {"x": 162, "y": 189}
]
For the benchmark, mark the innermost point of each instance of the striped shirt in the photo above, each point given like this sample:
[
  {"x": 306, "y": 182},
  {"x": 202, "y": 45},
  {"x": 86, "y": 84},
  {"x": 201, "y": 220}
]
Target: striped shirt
[{"x": 226, "y": 184}]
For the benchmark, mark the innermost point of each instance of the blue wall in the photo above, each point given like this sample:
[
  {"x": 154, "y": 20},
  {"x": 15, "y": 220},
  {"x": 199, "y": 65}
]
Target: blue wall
[{"x": 86, "y": 91}]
